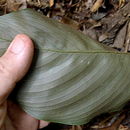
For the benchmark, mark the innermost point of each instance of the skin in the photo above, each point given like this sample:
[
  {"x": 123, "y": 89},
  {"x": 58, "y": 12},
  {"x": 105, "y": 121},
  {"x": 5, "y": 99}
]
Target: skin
[{"x": 14, "y": 64}]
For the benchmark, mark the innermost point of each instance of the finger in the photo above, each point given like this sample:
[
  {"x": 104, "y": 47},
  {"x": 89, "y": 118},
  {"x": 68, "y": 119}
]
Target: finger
[
  {"x": 19, "y": 119},
  {"x": 14, "y": 64},
  {"x": 43, "y": 124}
]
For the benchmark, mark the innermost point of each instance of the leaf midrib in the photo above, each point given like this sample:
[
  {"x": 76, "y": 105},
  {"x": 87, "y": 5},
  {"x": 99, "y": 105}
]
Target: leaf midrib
[{"x": 77, "y": 52}]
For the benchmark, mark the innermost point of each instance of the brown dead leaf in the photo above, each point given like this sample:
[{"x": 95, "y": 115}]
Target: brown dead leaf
[
  {"x": 103, "y": 37},
  {"x": 111, "y": 25},
  {"x": 121, "y": 3},
  {"x": 129, "y": 48},
  {"x": 89, "y": 4},
  {"x": 112, "y": 122},
  {"x": 51, "y": 2},
  {"x": 3, "y": 6},
  {"x": 38, "y": 3},
  {"x": 14, "y": 5},
  {"x": 91, "y": 33},
  {"x": 127, "y": 42},
  {"x": 76, "y": 128},
  {"x": 126, "y": 121},
  {"x": 70, "y": 22},
  {"x": 115, "y": 125},
  {"x": 121, "y": 127},
  {"x": 120, "y": 38},
  {"x": 117, "y": 17},
  {"x": 23, "y": 4},
  {"x": 96, "y": 5},
  {"x": 2, "y": 2}
]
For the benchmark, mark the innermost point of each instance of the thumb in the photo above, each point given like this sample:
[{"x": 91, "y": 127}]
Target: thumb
[{"x": 14, "y": 64}]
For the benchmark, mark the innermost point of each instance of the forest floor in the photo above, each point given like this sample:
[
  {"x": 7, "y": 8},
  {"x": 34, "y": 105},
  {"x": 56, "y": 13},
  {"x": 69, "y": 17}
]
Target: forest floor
[{"x": 107, "y": 21}]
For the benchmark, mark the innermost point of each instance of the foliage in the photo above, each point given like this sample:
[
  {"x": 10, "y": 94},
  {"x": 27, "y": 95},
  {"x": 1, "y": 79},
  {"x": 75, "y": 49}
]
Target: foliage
[{"x": 73, "y": 78}]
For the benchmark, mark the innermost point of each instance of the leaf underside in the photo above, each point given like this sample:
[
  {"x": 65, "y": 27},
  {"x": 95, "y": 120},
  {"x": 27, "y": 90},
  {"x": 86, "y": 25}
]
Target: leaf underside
[{"x": 72, "y": 78}]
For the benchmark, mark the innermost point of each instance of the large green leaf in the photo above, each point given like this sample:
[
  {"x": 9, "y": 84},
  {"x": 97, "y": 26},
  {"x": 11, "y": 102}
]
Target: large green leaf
[{"x": 73, "y": 78}]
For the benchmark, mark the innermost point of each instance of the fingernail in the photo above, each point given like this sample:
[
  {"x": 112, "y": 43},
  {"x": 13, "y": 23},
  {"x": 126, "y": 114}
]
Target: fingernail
[{"x": 17, "y": 45}]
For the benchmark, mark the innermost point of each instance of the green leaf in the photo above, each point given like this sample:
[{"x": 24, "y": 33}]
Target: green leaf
[{"x": 73, "y": 78}]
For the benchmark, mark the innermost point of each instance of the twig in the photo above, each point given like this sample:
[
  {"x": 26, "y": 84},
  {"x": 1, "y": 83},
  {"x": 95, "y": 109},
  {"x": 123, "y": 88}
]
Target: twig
[{"x": 127, "y": 41}]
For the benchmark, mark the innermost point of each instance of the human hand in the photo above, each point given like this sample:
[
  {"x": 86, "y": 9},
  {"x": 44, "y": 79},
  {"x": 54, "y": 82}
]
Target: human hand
[{"x": 13, "y": 66}]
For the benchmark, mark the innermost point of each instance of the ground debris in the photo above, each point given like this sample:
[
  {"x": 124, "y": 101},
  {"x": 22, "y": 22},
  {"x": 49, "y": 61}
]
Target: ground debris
[
  {"x": 12, "y": 5},
  {"x": 96, "y": 5},
  {"x": 120, "y": 38}
]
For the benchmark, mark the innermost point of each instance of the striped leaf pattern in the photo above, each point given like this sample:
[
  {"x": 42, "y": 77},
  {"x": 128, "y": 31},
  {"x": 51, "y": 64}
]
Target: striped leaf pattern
[{"x": 72, "y": 78}]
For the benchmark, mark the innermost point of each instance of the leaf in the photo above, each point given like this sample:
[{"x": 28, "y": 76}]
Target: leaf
[
  {"x": 73, "y": 78},
  {"x": 96, "y": 5}
]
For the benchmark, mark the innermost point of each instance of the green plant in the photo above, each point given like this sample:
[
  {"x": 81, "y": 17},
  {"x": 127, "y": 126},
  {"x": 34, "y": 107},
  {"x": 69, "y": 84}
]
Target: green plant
[{"x": 73, "y": 78}]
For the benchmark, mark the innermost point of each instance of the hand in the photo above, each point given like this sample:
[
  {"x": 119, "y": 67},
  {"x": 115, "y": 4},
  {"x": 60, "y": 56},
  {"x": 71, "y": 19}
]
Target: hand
[{"x": 13, "y": 66}]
